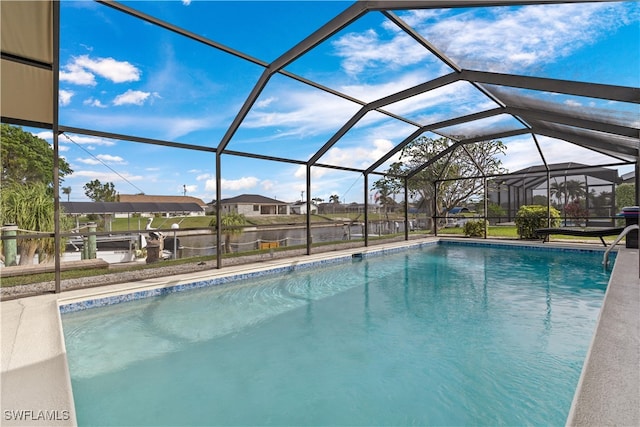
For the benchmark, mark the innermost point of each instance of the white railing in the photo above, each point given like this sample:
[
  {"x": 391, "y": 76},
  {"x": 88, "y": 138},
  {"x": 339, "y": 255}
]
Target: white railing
[{"x": 605, "y": 259}]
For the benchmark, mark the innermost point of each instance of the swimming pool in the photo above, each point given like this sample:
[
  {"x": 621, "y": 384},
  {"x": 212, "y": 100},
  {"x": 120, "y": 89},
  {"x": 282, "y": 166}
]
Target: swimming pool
[{"x": 446, "y": 334}]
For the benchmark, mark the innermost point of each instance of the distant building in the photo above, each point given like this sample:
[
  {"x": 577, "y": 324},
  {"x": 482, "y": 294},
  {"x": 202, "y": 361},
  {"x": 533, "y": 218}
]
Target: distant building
[
  {"x": 254, "y": 205},
  {"x": 170, "y": 205},
  {"x": 300, "y": 208},
  {"x": 145, "y": 206}
]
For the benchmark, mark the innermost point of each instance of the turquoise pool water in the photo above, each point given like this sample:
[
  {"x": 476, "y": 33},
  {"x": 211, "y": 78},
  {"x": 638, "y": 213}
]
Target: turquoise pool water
[{"x": 445, "y": 335}]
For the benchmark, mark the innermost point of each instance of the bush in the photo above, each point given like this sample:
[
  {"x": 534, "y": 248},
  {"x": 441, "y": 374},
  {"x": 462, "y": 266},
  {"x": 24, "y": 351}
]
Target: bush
[
  {"x": 475, "y": 228},
  {"x": 530, "y": 217}
]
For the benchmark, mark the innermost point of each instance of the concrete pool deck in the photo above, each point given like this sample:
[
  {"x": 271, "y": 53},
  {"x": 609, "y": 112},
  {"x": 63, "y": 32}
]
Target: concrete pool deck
[{"x": 36, "y": 388}]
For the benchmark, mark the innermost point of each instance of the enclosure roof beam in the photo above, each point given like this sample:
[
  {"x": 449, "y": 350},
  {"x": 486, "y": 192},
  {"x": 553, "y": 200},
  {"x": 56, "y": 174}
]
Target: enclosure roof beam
[
  {"x": 349, "y": 15},
  {"x": 264, "y": 157},
  {"x": 178, "y": 30},
  {"x": 497, "y": 135},
  {"x": 567, "y": 87},
  {"x": 618, "y": 152},
  {"x": 398, "y": 96},
  {"x": 451, "y": 4},
  {"x": 560, "y": 118},
  {"x": 424, "y": 42},
  {"x": 120, "y": 137}
]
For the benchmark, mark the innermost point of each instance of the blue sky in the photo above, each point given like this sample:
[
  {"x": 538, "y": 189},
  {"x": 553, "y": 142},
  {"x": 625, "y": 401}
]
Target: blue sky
[{"x": 122, "y": 75}]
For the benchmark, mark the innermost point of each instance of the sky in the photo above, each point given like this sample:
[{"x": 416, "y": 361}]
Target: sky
[{"x": 125, "y": 76}]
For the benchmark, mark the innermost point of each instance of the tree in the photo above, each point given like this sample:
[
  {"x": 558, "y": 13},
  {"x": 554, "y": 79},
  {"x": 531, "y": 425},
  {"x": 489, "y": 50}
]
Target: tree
[
  {"x": 27, "y": 159},
  {"x": 232, "y": 224},
  {"x": 30, "y": 207},
  {"x": 334, "y": 199},
  {"x": 574, "y": 189},
  {"x": 463, "y": 161},
  {"x": 625, "y": 196},
  {"x": 557, "y": 190},
  {"x": 67, "y": 191},
  {"x": 384, "y": 195},
  {"x": 99, "y": 192}
]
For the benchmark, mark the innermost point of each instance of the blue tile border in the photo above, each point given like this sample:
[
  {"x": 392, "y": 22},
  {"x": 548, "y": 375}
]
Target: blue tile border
[
  {"x": 137, "y": 295},
  {"x": 132, "y": 296}
]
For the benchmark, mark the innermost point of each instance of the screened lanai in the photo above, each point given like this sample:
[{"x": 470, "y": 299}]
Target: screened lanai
[
  {"x": 326, "y": 104},
  {"x": 595, "y": 186}
]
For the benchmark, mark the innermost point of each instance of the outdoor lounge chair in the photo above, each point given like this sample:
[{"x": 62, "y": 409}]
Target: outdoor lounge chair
[{"x": 589, "y": 232}]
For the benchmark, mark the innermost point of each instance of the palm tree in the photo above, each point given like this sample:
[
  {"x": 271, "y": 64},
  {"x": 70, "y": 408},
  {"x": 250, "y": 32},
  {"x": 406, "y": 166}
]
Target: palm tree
[
  {"x": 232, "y": 224},
  {"x": 31, "y": 208},
  {"x": 67, "y": 191},
  {"x": 335, "y": 200},
  {"x": 574, "y": 189},
  {"x": 557, "y": 190}
]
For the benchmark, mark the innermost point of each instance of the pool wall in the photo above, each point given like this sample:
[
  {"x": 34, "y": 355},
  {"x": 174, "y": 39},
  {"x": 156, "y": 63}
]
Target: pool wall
[{"x": 35, "y": 376}]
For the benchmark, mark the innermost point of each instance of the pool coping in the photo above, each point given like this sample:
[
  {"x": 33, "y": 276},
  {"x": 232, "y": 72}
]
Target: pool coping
[{"x": 35, "y": 376}]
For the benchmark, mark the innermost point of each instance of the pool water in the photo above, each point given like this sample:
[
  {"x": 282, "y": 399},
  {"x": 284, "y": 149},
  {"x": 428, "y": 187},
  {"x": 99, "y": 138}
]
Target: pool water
[{"x": 445, "y": 335}]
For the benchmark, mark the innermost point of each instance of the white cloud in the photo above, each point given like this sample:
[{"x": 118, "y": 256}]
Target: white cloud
[
  {"x": 232, "y": 185},
  {"x": 472, "y": 39},
  {"x": 358, "y": 157},
  {"x": 75, "y": 74},
  {"x": 365, "y": 50},
  {"x": 107, "y": 158},
  {"x": 165, "y": 127},
  {"x": 109, "y": 68},
  {"x": 94, "y": 103},
  {"x": 101, "y": 159},
  {"x": 303, "y": 112},
  {"x": 88, "y": 140},
  {"x": 268, "y": 184},
  {"x": 88, "y": 161},
  {"x": 204, "y": 176},
  {"x": 83, "y": 69},
  {"x": 134, "y": 97},
  {"x": 78, "y": 139},
  {"x": 497, "y": 39},
  {"x": 263, "y": 103},
  {"x": 186, "y": 2},
  {"x": 64, "y": 97}
]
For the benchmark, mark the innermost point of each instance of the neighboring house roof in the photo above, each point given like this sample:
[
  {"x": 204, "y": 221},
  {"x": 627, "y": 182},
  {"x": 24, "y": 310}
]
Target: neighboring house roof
[
  {"x": 251, "y": 199},
  {"x": 86, "y": 208},
  {"x": 628, "y": 177},
  {"x": 536, "y": 175},
  {"x": 143, "y": 198},
  {"x": 458, "y": 209}
]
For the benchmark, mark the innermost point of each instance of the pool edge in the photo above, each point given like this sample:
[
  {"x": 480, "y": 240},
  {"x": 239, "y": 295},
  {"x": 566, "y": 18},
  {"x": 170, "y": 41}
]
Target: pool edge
[
  {"x": 22, "y": 338},
  {"x": 608, "y": 391}
]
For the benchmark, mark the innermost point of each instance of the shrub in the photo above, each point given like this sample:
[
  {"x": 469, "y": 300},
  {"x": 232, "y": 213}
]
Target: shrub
[
  {"x": 530, "y": 217},
  {"x": 475, "y": 228},
  {"x": 575, "y": 211}
]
